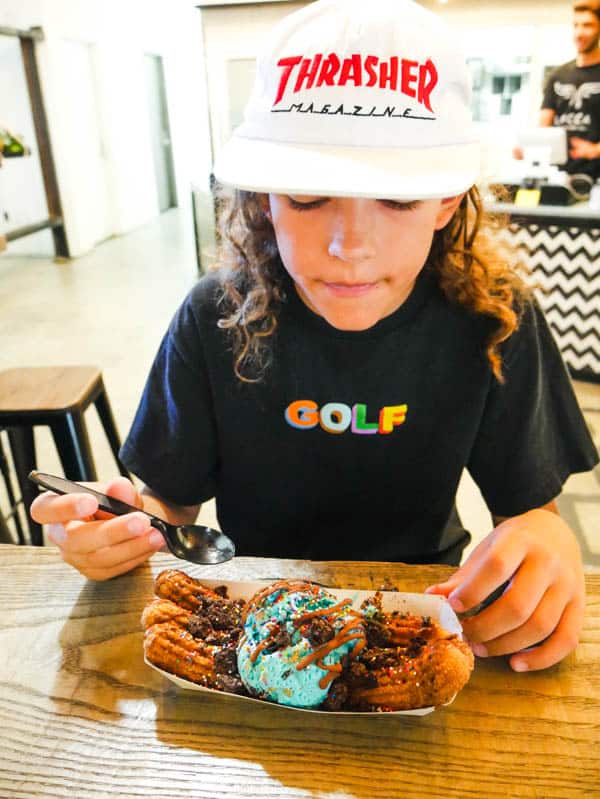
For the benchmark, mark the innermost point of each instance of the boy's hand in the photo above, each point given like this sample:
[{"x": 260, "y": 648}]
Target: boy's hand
[
  {"x": 544, "y": 602},
  {"x": 97, "y": 544}
]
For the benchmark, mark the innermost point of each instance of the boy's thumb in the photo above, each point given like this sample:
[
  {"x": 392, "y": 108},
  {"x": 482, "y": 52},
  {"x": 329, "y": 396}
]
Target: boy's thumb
[{"x": 446, "y": 587}]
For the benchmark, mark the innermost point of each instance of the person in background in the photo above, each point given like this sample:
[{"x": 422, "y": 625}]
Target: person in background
[{"x": 572, "y": 94}]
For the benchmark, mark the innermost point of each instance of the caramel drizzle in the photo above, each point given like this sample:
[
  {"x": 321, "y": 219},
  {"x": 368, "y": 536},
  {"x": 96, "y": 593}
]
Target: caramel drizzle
[
  {"x": 259, "y": 648},
  {"x": 343, "y": 636},
  {"x": 313, "y": 614},
  {"x": 264, "y": 593},
  {"x": 347, "y": 633}
]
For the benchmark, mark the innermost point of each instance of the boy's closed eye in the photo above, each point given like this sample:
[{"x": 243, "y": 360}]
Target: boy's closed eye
[
  {"x": 398, "y": 205},
  {"x": 301, "y": 202}
]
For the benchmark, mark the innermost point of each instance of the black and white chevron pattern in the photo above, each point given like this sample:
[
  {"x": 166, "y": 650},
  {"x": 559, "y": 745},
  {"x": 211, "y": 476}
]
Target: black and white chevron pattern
[{"x": 564, "y": 268}]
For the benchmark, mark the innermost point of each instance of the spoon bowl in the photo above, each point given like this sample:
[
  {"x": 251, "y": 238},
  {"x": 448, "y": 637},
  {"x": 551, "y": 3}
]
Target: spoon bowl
[{"x": 192, "y": 542}]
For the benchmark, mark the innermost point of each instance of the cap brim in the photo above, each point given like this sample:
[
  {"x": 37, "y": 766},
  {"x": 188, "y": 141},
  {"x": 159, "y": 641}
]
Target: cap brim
[{"x": 398, "y": 173}]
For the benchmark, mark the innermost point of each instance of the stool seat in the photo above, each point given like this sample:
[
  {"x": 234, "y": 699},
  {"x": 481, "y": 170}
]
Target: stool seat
[
  {"x": 49, "y": 389},
  {"x": 55, "y": 396}
]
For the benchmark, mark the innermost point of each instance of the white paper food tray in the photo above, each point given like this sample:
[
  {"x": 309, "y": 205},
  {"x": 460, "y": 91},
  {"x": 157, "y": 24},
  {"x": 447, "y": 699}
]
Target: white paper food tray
[{"x": 420, "y": 604}]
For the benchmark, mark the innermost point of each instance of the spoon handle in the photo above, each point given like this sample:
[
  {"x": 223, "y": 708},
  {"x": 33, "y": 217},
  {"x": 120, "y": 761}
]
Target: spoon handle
[{"x": 109, "y": 504}]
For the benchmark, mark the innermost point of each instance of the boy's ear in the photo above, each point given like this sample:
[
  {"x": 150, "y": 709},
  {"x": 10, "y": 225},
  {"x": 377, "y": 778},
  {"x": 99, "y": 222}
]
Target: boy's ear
[{"x": 447, "y": 210}]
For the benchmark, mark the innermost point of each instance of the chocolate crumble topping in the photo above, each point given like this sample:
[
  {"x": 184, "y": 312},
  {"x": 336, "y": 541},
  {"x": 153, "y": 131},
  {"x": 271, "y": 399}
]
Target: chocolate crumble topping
[
  {"x": 231, "y": 683},
  {"x": 319, "y": 632},
  {"x": 223, "y": 617},
  {"x": 337, "y": 696},
  {"x": 278, "y": 639},
  {"x": 200, "y": 627},
  {"x": 377, "y": 658},
  {"x": 415, "y": 645},
  {"x": 357, "y": 674},
  {"x": 377, "y": 635},
  {"x": 226, "y": 661}
]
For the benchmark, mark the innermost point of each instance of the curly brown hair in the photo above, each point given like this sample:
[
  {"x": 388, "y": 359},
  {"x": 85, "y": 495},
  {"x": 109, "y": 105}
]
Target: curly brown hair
[{"x": 470, "y": 267}]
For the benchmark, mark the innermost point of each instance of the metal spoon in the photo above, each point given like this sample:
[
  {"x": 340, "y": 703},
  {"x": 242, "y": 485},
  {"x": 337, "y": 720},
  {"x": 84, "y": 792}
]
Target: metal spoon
[{"x": 186, "y": 541}]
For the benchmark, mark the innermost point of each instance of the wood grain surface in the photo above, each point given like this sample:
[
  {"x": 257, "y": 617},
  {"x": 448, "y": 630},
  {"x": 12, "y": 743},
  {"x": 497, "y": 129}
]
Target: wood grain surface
[
  {"x": 45, "y": 388},
  {"x": 82, "y": 716}
]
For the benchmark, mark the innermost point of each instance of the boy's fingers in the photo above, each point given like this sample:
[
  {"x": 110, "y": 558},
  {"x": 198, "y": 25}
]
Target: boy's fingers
[
  {"x": 563, "y": 640},
  {"x": 49, "y": 508},
  {"x": 459, "y": 576},
  {"x": 89, "y": 537},
  {"x": 496, "y": 567},
  {"x": 115, "y": 570},
  {"x": 541, "y": 623},
  {"x": 452, "y": 582},
  {"x": 443, "y": 588},
  {"x": 110, "y": 561},
  {"x": 514, "y": 606},
  {"x": 468, "y": 567},
  {"x": 111, "y": 557},
  {"x": 123, "y": 489}
]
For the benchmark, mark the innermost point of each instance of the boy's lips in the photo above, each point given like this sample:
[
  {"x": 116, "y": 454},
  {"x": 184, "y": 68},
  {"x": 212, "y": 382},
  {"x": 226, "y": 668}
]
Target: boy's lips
[{"x": 349, "y": 289}]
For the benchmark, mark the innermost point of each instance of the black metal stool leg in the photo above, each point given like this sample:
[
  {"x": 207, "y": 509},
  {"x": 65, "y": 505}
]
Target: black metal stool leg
[
  {"x": 110, "y": 428},
  {"x": 5, "y": 534},
  {"x": 73, "y": 445},
  {"x": 14, "y": 509},
  {"x": 22, "y": 447}
]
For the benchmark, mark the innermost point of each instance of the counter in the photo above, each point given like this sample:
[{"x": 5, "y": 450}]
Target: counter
[{"x": 560, "y": 246}]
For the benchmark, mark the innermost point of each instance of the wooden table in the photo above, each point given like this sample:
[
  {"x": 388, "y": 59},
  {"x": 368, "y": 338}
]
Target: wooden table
[{"x": 82, "y": 716}]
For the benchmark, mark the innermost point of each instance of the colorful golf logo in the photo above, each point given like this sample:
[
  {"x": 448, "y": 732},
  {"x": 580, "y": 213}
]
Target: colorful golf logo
[{"x": 337, "y": 417}]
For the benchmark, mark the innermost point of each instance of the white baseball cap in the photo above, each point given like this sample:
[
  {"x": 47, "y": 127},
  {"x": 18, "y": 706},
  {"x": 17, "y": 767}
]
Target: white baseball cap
[{"x": 363, "y": 98}]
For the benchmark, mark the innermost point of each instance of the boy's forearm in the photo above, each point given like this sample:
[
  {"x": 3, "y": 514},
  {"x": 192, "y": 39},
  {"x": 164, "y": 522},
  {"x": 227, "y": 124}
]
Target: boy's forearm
[{"x": 174, "y": 514}]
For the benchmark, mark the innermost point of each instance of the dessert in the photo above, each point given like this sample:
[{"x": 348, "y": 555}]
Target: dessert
[
  {"x": 192, "y": 631},
  {"x": 183, "y": 590},
  {"x": 296, "y": 644},
  {"x": 296, "y": 637},
  {"x": 409, "y": 662}
]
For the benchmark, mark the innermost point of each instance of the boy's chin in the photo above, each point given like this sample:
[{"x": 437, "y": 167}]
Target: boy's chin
[{"x": 352, "y": 322}]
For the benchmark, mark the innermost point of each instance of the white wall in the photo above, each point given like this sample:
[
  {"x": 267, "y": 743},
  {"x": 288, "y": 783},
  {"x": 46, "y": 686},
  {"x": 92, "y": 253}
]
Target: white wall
[{"x": 119, "y": 33}]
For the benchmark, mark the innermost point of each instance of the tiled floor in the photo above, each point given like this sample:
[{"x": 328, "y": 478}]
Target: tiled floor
[{"x": 110, "y": 309}]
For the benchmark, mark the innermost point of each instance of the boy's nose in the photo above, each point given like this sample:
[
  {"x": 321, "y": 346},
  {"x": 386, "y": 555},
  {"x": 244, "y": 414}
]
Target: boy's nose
[{"x": 352, "y": 235}]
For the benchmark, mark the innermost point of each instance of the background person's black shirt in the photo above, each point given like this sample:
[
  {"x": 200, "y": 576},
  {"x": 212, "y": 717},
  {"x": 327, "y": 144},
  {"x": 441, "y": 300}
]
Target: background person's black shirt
[
  {"x": 282, "y": 491},
  {"x": 573, "y": 93}
]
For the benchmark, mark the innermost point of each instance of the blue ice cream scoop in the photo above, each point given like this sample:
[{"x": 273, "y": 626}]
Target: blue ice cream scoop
[{"x": 294, "y": 638}]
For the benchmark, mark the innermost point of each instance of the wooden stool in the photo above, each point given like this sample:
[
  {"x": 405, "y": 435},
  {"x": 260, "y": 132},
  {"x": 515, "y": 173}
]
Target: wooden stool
[{"x": 56, "y": 396}]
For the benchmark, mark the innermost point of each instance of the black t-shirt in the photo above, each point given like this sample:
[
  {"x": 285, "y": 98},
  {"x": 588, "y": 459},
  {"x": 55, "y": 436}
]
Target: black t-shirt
[
  {"x": 353, "y": 444},
  {"x": 573, "y": 93}
]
